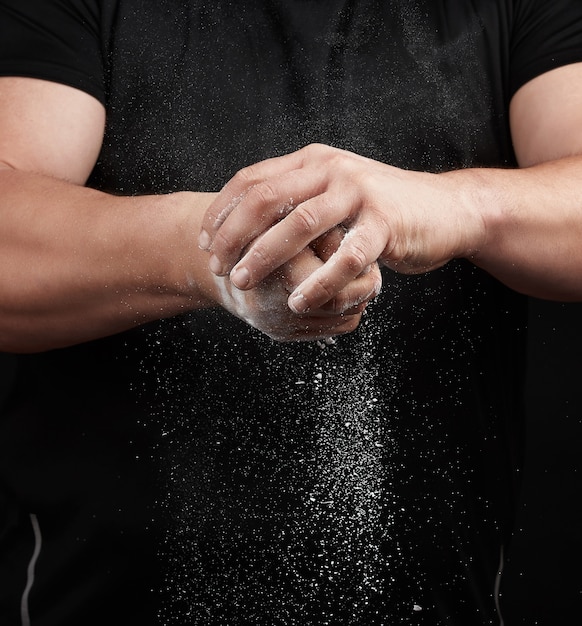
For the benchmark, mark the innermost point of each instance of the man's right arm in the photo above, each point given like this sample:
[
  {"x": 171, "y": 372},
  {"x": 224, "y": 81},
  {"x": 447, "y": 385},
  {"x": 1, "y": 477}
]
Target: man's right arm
[
  {"x": 78, "y": 264},
  {"x": 75, "y": 263}
]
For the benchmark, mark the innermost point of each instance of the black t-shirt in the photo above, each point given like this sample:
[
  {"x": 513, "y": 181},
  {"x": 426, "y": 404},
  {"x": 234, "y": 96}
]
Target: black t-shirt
[{"x": 193, "y": 471}]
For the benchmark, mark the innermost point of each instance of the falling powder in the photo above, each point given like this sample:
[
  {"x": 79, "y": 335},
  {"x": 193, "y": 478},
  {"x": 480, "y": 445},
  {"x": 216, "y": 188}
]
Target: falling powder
[{"x": 296, "y": 527}]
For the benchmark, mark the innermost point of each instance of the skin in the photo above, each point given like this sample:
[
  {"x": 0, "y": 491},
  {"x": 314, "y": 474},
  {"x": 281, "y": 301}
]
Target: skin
[
  {"x": 77, "y": 264},
  {"x": 524, "y": 226}
]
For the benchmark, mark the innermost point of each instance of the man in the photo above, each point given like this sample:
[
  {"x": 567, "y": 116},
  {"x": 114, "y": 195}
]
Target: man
[{"x": 185, "y": 465}]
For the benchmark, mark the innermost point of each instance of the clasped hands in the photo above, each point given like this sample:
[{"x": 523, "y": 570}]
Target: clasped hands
[{"x": 296, "y": 240}]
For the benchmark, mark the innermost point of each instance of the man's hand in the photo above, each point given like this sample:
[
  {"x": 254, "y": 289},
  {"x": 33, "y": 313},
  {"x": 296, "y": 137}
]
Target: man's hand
[
  {"x": 411, "y": 221},
  {"x": 265, "y": 306}
]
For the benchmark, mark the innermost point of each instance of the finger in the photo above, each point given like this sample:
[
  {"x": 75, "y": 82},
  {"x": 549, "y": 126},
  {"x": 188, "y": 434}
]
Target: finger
[
  {"x": 325, "y": 245},
  {"x": 307, "y": 222},
  {"x": 315, "y": 324},
  {"x": 357, "y": 294},
  {"x": 359, "y": 249},
  {"x": 264, "y": 205},
  {"x": 236, "y": 188},
  {"x": 301, "y": 267},
  {"x": 317, "y": 156}
]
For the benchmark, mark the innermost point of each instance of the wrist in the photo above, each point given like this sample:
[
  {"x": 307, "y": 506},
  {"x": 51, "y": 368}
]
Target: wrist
[
  {"x": 172, "y": 268},
  {"x": 479, "y": 202}
]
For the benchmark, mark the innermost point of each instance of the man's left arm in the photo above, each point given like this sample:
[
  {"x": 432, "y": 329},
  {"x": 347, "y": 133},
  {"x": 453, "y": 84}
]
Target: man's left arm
[
  {"x": 534, "y": 233},
  {"x": 523, "y": 225}
]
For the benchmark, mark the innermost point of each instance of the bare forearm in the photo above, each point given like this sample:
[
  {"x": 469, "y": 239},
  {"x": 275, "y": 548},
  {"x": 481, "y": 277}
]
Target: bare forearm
[
  {"x": 533, "y": 226},
  {"x": 524, "y": 226},
  {"x": 77, "y": 264}
]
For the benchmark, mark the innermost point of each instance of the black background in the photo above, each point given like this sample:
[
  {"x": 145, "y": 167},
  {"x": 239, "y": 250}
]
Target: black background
[
  {"x": 542, "y": 582},
  {"x": 543, "y": 579}
]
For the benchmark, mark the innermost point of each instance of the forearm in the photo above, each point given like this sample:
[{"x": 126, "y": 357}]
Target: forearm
[
  {"x": 524, "y": 226},
  {"x": 533, "y": 226},
  {"x": 77, "y": 264}
]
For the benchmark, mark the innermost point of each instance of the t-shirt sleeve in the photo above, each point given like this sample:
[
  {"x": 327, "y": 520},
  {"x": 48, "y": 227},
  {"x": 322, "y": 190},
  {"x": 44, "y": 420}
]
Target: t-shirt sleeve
[
  {"x": 56, "y": 40},
  {"x": 546, "y": 34}
]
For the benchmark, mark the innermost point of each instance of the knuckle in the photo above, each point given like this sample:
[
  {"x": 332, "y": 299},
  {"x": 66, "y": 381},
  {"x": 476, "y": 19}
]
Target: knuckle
[
  {"x": 318, "y": 151},
  {"x": 262, "y": 193},
  {"x": 394, "y": 253},
  {"x": 246, "y": 176},
  {"x": 262, "y": 256},
  {"x": 336, "y": 158},
  {"x": 224, "y": 246},
  {"x": 313, "y": 149},
  {"x": 305, "y": 219},
  {"x": 325, "y": 288},
  {"x": 355, "y": 258},
  {"x": 361, "y": 178}
]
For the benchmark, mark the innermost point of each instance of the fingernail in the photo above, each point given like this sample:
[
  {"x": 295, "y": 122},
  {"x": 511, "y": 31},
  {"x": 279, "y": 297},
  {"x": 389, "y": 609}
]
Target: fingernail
[
  {"x": 297, "y": 303},
  {"x": 240, "y": 277},
  {"x": 204, "y": 240},
  {"x": 215, "y": 265}
]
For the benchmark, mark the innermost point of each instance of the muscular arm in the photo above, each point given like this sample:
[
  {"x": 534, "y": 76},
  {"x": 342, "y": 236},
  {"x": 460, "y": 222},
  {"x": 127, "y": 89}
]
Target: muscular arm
[
  {"x": 75, "y": 263},
  {"x": 534, "y": 214},
  {"x": 524, "y": 226}
]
